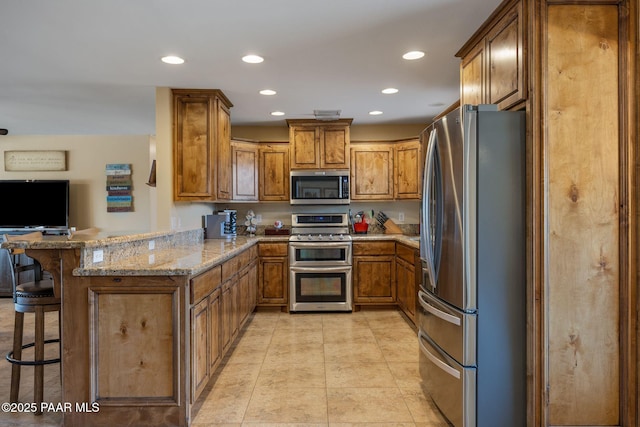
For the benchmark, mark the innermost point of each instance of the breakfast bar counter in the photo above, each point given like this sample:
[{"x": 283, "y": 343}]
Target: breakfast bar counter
[{"x": 127, "y": 334}]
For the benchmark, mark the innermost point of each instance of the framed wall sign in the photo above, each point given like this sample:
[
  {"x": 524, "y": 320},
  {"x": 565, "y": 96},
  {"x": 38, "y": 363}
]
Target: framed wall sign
[{"x": 35, "y": 160}]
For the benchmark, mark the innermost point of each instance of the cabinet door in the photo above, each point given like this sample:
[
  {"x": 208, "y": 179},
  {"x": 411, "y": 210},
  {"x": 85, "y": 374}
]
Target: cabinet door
[
  {"x": 372, "y": 171},
  {"x": 584, "y": 295},
  {"x": 505, "y": 76},
  {"x": 374, "y": 279},
  {"x": 406, "y": 284},
  {"x": 202, "y": 145},
  {"x": 200, "y": 345},
  {"x": 194, "y": 155},
  {"x": 407, "y": 170},
  {"x": 245, "y": 171},
  {"x": 273, "y": 281},
  {"x": 215, "y": 347},
  {"x": 243, "y": 285},
  {"x": 225, "y": 317},
  {"x": 223, "y": 142},
  {"x": 472, "y": 76},
  {"x": 305, "y": 150},
  {"x": 253, "y": 284},
  {"x": 274, "y": 172},
  {"x": 334, "y": 147},
  {"x": 401, "y": 283}
]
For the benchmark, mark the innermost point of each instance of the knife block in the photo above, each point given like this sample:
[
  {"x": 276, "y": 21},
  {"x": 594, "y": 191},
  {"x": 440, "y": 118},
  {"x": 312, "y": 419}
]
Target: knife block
[{"x": 390, "y": 227}]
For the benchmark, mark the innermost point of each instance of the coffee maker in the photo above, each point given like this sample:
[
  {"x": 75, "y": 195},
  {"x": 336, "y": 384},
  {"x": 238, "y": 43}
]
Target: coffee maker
[{"x": 220, "y": 225}]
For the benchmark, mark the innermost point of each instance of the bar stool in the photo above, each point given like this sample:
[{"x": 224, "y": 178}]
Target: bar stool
[{"x": 31, "y": 297}]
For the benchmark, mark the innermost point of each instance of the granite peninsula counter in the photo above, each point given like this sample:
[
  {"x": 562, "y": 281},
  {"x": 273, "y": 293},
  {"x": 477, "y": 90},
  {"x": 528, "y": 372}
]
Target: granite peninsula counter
[
  {"x": 146, "y": 318},
  {"x": 138, "y": 319}
]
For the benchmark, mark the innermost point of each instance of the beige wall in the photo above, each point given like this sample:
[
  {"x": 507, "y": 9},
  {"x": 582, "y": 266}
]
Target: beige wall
[
  {"x": 154, "y": 208},
  {"x": 86, "y": 160}
]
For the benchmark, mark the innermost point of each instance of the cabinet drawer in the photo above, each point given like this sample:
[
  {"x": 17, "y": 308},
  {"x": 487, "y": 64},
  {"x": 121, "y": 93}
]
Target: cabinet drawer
[
  {"x": 230, "y": 267},
  {"x": 406, "y": 253},
  {"x": 374, "y": 248},
  {"x": 273, "y": 249},
  {"x": 253, "y": 253},
  {"x": 243, "y": 259},
  {"x": 205, "y": 283}
]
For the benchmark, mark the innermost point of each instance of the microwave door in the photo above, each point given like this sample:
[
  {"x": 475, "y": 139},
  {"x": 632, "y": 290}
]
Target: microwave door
[{"x": 448, "y": 154}]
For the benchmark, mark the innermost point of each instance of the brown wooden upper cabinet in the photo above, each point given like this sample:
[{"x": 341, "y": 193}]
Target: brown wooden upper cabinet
[
  {"x": 202, "y": 145},
  {"x": 492, "y": 70},
  {"x": 245, "y": 170},
  {"x": 407, "y": 169},
  {"x": 274, "y": 172},
  {"x": 316, "y": 144},
  {"x": 386, "y": 170}
]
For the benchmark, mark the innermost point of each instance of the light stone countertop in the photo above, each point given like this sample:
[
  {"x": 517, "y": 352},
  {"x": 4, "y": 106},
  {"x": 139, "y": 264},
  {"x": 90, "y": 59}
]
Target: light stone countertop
[
  {"x": 411, "y": 241},
  {"x": 183, "y": 253}
]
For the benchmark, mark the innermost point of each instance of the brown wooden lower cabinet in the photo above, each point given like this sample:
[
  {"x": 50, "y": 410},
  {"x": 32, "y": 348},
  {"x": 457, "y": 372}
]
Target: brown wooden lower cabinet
[
  {"x": 273, "y": 275},
  {"x": 406, "y": 279},
  {"x": 217, "y": 319},
  {"x": 200, "y": 341},
  {"x": 374, "y": 273}
]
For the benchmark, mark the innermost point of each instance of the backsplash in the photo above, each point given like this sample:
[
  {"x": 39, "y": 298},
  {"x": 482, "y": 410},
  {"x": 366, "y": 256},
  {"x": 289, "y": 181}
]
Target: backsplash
[{"x": 407, "y": 229}]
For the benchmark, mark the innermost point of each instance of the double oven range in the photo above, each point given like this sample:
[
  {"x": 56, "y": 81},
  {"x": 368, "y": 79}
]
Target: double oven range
[{"x": 320, "y": 263}]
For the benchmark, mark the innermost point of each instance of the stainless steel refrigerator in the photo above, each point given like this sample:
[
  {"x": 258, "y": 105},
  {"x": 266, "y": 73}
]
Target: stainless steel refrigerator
[{"x": 472, "y": 324}]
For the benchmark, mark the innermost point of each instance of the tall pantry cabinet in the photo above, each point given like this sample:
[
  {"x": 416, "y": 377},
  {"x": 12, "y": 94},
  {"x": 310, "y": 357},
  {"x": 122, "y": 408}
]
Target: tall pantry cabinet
[
  {"x": 579, "y": 65},
  {"x": 583, "y": 142}
]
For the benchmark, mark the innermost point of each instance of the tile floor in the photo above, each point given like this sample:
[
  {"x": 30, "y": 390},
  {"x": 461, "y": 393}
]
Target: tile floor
[{"x": 329, "y": 369}]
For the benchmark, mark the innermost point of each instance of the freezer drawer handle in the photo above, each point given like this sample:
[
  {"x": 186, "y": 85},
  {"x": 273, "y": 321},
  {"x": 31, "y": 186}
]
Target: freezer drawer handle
[
  {"x": 439, "y": 363},
  {"x": 441, "y": 314}
]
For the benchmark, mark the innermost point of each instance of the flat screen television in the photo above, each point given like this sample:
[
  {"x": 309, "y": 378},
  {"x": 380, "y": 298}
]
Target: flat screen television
[{"x": 34, "y": 204}]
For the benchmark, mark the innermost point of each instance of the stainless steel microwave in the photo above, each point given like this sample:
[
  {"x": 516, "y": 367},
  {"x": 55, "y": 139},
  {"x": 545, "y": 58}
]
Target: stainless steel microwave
[{"x": 320, "y": 187}]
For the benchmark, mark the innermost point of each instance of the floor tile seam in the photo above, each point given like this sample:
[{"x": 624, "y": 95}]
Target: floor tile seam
[{"x": 255, "y": 383}]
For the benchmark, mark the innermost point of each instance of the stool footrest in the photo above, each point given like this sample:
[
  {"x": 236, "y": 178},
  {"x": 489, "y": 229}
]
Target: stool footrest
[{"x": 10, "y": 358}]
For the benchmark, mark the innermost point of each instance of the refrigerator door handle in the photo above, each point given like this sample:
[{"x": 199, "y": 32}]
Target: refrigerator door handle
[
  {"x": 425, "y": 237},
  {"x": 439, "y": 363},
  {"x": 441, "y": 314}
]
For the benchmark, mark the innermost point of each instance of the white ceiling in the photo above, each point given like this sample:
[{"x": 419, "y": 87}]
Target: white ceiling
[{"x": 91, "y": 67}]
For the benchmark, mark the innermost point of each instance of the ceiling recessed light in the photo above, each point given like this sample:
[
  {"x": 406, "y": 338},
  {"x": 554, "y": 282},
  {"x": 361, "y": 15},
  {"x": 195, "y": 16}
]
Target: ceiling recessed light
[
  {"x": 375, "y": 113},
  {"x": 267, "y": 92},
  {"x": 390, "y": 90},
  {"x": 253, "y": 59},
  {"x": 277, "y": 113},
  {"x": 173, "y": 60},
  {"x": 414, "y": 54}
]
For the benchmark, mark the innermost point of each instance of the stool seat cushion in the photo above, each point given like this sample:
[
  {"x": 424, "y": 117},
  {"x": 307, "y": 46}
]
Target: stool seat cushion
[{"x": 39, "y": 289}]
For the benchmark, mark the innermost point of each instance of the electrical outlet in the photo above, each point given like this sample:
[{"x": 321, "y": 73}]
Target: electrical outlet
[
  {"x": 259, "y": 218},
  {"x": 98, "y": 255},
  {"x": 401, "y": 216},
  {"x": 152, "y": 245},
  {"x": 152, "y": 259}
]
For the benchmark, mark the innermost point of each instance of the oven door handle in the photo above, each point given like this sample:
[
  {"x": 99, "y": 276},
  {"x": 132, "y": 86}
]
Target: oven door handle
[
  {"x": 320, "y": 245},
  {"x": 320, "y": 269}
]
